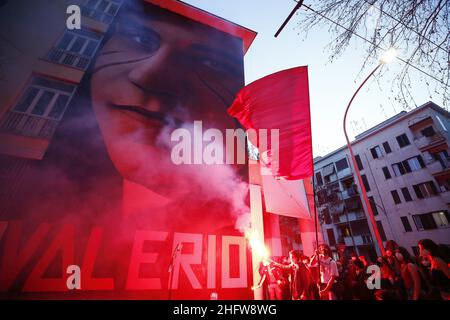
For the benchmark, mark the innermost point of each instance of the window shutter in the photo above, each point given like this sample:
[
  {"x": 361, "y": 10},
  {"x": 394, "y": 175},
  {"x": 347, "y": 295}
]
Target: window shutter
[{"x": 418, "y": 192}]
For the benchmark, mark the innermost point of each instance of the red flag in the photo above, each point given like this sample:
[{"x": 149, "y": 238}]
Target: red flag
[{"x": 280, "y": 101}]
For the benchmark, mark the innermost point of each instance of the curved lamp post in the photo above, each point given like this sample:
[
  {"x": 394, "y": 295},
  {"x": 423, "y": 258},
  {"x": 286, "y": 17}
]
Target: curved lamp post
[{"x": 387, "y": 57}]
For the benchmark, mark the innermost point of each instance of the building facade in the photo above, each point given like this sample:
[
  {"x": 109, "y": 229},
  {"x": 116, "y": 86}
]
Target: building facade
[
  {"x": 43, "y": 73},
  {"x": 405, "y": 166},
  {"x": 62, "y": 187}
]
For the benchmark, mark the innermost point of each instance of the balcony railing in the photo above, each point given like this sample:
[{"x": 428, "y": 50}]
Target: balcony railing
[
  {"x": 69, "y": 58},
  {"x": 332, "y": 197},
  {"x": 359, "y": 240},
  {"x": 331, "y": 178},
  {"x": 352, "y": 216},
  {"x": 96, "y": 15},
  {"x": 437, "y": 167},
  {"x": 423, "y": 142},
  {"x": 445, "y": 163},
  {"x": 28, "y": 125},
  {"x": 344, "y": 173}
]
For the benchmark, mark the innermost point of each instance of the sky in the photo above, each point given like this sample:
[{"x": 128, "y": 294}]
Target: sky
[{"x": 331, "y": 84}]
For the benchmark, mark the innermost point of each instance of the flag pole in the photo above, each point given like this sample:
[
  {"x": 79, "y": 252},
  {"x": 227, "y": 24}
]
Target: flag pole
[{"x": 316, "y": 219}]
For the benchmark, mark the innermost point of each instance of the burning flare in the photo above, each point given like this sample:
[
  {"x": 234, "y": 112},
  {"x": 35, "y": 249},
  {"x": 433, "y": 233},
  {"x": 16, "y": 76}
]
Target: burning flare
[{"x": 256, "y": 245}]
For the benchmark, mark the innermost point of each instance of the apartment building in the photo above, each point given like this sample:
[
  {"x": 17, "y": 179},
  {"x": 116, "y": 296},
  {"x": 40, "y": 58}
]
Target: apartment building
[
  {"x": 405, "y": 167},
  {"x": 43, "y": 62}
]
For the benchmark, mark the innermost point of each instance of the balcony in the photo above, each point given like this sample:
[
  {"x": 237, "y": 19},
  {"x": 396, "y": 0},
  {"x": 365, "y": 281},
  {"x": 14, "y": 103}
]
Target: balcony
[
  {"x": 420, "y": 122},
  {"x": 344, "y": 173},
  {"x": 330, "y": 179},
  {"x": 425, "y": 143},
  {"x": 97, "y": 15},
  {"x": 353, "y": 204},
  {"x": 335, "y": 218},
  {"x": 350, "y": 192},
  {"x": 324, "y": 198},
  {"x": 28, "y": 125},
  {"x": 69, "y": 58},
  {"x": 360, "y": 240},
  {"x": 352, "y": 216},
  {"x": 440, "y": 169}
]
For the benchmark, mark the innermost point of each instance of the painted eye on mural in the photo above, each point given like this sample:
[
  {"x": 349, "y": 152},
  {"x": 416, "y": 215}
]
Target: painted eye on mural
[
  {"x": 211, "y": 59},
  {"x": 214, "y": 64},
  {"x": 217, "y": 65},
  {"x": 145, "y": 38},
  {"x": 150, "y": 42}
]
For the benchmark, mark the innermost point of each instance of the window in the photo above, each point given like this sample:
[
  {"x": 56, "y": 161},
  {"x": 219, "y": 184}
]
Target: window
[
  {"x": 408, "y": 165},
  {"x": 424, "y": 222},
  {"x": 322, "y": 196},
  {"x": 359, "y": 162},
  {"x": 386, "y": 172},
  {"x": 101, "y": 10},
  {"x": 441, "y": 218},
  {"x": 441, "y": 123},
  {"x": 350, "y": 189},
  {"x": 428, "y": 131},
  {"x": 109, "y": 6},
  {"x": 432, "y": 220},
  {"x": 326, "y": 216},
  {"x": 366, "y": 238},
  {"x": 402, "y": 140},
  {"x": 365, "y": 182},
  {"x": 331, "y": 238},
  {"x": 328, "y": 173},
  {"x": 328, "y": 170},
  {"x": 373, "y": 206},
  {"x": 406, "y": 224},
  {"x": 443, "y": 158},
  {"x": 341, "y": 164},
  {"x": 46, "y": 98},
  {"x": 406, "y": 194},
  {"x": 405, "y": 164},
  {"x": 425, "y": 190},
  {"x": 415, "y": 163},
  {"x": 39, "y": 108},
  {"x": 75, "y": 48},
  {"x": 319, "y": 181},
  {"x": 381, "y": 230},
  {"x": 387, "y": 147},
  {"x": 376, "y": 152},
  {"x": 400, "y": 168},
  {"x": 444, "y": 185},
  {"x": 395, "y": 197}
]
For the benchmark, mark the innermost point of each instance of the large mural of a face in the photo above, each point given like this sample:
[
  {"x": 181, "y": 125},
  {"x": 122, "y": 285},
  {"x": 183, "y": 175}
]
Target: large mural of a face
[
  {"x": 159, "y": 71},
  {"x": 154, "y": 72}
]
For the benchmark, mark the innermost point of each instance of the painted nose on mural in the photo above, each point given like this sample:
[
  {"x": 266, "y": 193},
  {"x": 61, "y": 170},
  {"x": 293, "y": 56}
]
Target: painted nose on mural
[{"x": 162, "y": 76}]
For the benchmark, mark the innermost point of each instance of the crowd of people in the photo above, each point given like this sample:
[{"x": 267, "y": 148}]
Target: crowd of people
[{"x": 394, "y": 276}]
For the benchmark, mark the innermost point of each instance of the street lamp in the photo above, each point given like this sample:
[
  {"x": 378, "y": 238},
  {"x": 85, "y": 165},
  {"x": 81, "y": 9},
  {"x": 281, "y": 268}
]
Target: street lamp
[{"x": 387, "y": 57}]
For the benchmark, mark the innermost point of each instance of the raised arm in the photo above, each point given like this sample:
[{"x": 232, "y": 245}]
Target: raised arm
[{"x": 282, "y": 266}]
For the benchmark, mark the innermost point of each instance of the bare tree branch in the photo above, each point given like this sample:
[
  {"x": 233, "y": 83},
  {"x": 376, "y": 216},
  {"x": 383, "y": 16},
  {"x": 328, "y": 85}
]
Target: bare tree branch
[{"x": 420, "y": 29}]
